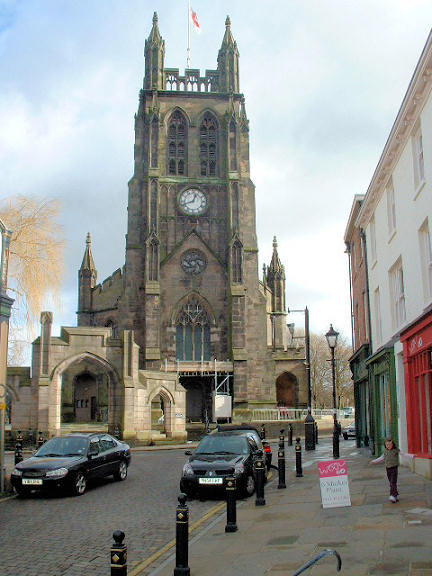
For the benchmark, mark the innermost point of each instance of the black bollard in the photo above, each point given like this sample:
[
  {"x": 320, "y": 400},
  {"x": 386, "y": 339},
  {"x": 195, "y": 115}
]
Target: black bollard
[
  {"x": 40, "y": 440},
  {"x": 298, "y": 453},
  {"x": 30, "y": 437},
  {"x": 259, "y": 479},
  {"x": 18, "y": 447},
  {"x": 316, "y": 433},
  {"x": 262, "y": 432},
  {"x": 230, "y": 488},
  {"x": 118, "y": 555},
  {"x": 182, "y": 537},
  {"x": 290, "y": 434},
  {"x": 281, "y": 461}
]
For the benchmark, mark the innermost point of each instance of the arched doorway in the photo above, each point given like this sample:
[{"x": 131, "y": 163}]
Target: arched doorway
[
  {"x": 161, "y": 408},
  {"x": 287, "y": 390},
  {"x": 89, "y": 394}
]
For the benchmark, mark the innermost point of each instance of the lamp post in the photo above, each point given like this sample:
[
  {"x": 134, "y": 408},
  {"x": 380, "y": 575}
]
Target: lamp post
[
  {"x": 309, "y": 420},
  {"x": 5, "y": 310},
  {"x": 332, "y": 337}
]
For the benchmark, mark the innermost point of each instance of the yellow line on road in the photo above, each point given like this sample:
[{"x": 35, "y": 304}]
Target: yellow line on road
[{"x": 143, "y": 565}]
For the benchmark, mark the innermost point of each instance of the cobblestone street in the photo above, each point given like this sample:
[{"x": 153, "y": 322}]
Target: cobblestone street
[{"x": 71, "y": 536}]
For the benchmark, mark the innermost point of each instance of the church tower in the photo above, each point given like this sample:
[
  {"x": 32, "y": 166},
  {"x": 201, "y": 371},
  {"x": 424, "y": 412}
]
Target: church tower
[{"x": 190, "y": 290}]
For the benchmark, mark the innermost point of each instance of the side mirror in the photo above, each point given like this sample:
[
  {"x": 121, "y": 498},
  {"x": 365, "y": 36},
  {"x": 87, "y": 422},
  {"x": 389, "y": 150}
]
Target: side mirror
[{"x": 188, "y": 453}]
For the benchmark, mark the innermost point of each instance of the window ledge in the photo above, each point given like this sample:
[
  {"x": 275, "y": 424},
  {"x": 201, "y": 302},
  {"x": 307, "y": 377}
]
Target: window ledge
[
  {"x": 419, "y": 189},
  {"x": 392, "y": 235}
]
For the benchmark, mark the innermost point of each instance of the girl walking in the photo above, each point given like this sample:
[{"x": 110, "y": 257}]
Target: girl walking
[{"x": 390, "y": 456}]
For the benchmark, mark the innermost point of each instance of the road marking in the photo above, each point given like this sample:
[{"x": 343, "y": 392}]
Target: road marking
[{"x": 143, "y": 565}]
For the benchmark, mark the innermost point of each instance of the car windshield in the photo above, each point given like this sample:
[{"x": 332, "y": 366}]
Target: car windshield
[
  {"x": 223, "y": 445},
  {"x": 65, "y": 446}
]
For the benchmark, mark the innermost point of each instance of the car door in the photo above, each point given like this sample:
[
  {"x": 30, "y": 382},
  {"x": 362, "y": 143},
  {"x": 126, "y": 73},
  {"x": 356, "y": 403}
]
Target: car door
[
  {"x": 96, "y": 458},
  {"x": 111, "y": 453}
]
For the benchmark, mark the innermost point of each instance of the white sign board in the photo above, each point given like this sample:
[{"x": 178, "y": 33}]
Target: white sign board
[
  {"x": 334, "y": 483},
  {"x": 222, "y": 406}
]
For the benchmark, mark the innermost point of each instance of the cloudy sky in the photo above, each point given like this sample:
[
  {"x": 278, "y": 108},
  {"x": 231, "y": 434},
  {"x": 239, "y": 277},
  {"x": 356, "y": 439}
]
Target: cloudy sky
[{"x": 323, "y": 81}]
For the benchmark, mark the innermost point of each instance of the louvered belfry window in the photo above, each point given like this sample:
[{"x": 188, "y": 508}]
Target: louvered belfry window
[
  {"x": 208, "y": 146},
  {"x": 177, "y": 144}
]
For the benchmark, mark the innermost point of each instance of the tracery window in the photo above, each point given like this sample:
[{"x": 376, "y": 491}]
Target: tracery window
[
  {"x": 177, "y": 144},
  {"x": 193, "y": 333},
  {"x": 235, "y": 206},
  {"x": 208, "y": 146}
]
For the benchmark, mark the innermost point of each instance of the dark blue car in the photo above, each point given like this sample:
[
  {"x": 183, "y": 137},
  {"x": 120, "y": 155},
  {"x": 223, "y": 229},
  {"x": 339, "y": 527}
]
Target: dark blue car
[{"x": 69, "y": 462}]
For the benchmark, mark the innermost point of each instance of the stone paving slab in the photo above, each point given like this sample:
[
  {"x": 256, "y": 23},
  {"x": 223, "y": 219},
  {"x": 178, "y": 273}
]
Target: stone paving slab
[{"x": 373, "y": 536}]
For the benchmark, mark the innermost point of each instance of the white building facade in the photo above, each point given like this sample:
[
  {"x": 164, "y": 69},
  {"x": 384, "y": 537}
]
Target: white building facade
[{"x": 396, "y": 216}]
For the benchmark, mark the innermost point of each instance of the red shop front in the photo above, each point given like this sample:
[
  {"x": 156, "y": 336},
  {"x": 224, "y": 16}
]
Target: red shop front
[{"x": 417, "y": 356}]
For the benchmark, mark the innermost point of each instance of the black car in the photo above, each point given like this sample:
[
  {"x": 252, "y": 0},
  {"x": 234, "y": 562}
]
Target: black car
[
  {"x": 349, "y": 431},
  {"x": 70, "y": 461},
  {"x": 217, "y": 457},
  {"x": 249, "y": 430}
]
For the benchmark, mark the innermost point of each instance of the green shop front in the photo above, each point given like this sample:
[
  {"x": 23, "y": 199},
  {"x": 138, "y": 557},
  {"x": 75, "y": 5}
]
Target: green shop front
[{"x": 383, "y": 398}]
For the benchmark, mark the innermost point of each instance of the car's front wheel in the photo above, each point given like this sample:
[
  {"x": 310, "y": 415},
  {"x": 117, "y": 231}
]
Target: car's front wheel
[
  {"x": 121, "y": 473},
  {"x": 22, "y": 492},
  {"x": 249, "y": 487},
  {"x": 79, "y": 484}
]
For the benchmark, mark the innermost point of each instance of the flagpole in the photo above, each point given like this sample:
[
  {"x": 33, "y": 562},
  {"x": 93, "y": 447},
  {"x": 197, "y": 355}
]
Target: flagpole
[{"x": 188, "y": 37}]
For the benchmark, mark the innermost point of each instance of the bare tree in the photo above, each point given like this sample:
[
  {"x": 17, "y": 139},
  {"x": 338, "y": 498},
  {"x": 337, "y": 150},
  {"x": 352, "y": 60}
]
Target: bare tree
[
  {"x": 35, "y": 261},
  {"x": 321, "y": 375}
]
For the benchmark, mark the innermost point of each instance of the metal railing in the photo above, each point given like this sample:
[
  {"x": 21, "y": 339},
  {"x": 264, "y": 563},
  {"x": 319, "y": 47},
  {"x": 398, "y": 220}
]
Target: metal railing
[{"x": 281, "y": 413}]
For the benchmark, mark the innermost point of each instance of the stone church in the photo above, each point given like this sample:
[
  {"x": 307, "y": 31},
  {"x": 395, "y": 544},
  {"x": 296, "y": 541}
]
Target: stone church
[{"x": 186, "y": 331}]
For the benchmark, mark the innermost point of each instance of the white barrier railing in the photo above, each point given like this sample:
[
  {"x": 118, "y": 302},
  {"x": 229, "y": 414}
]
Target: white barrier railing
[{"x": 281, "y": 413}]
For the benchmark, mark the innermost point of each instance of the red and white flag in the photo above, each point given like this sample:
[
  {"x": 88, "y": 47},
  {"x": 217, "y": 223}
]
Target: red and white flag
[{"x": 194, "y": 20}]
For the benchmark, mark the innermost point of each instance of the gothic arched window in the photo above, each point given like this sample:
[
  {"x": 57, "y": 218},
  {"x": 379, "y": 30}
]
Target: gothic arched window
[
  {"x": 237, "y": 263},
  {"x": 177, "y": 144},
  {"x": 232, "y": 145},
  {"x": 192, "y": 333},
  {"x": 208, "y": 145},
  {"x": 154, "y": 142}
]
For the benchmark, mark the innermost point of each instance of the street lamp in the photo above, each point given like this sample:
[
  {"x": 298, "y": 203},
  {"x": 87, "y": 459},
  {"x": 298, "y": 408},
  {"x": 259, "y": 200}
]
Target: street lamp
[
  {"x": 332, "y": 337},
  {"x": 309, "y": 421}
]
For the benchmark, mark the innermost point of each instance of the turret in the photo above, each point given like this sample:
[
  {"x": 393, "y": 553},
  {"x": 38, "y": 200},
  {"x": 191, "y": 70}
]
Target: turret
[
  {"x": 154, "y": 53},
  {"x": 276, "y": 283},
  {"x": 228, "y": 62},
  {"x": 87, "y": 277}
]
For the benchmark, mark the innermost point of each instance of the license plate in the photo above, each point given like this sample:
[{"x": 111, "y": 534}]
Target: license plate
[
  {"x": 210, "y": 481},
  {"x": 32, "y": 481}
]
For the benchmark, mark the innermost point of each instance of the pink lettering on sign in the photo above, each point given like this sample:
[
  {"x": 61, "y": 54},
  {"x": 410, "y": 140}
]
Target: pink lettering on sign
[{"x": 332, "y": 468}]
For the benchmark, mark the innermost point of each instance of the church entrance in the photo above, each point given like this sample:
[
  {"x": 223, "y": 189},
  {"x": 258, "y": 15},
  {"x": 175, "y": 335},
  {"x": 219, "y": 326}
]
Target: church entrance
[
  {"x": 286, "y": 390},
  {"x": 198, "y": 398},
  {"x": 85, "y": 395}
]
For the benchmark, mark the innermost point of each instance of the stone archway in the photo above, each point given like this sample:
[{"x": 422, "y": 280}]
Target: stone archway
[
  {"x": 162, "y": 398},
  {"x": 85, "y": 389},
  {"x": 287, "y": 390}
]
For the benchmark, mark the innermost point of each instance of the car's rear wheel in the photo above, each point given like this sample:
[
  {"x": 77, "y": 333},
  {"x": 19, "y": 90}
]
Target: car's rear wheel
[
  {"x": 79, "y": 484},
  {"x": 121, "y": 473}
]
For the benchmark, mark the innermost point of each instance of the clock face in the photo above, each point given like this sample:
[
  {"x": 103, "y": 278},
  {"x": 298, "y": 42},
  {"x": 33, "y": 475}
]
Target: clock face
[
  {"x": 192, "y": 201},
  {"x": 193, "y": 262}
]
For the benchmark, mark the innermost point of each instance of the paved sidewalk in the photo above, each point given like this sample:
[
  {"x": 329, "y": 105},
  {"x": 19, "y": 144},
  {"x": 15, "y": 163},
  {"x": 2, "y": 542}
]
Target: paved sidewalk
[{"x": 373, "y": 536}]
